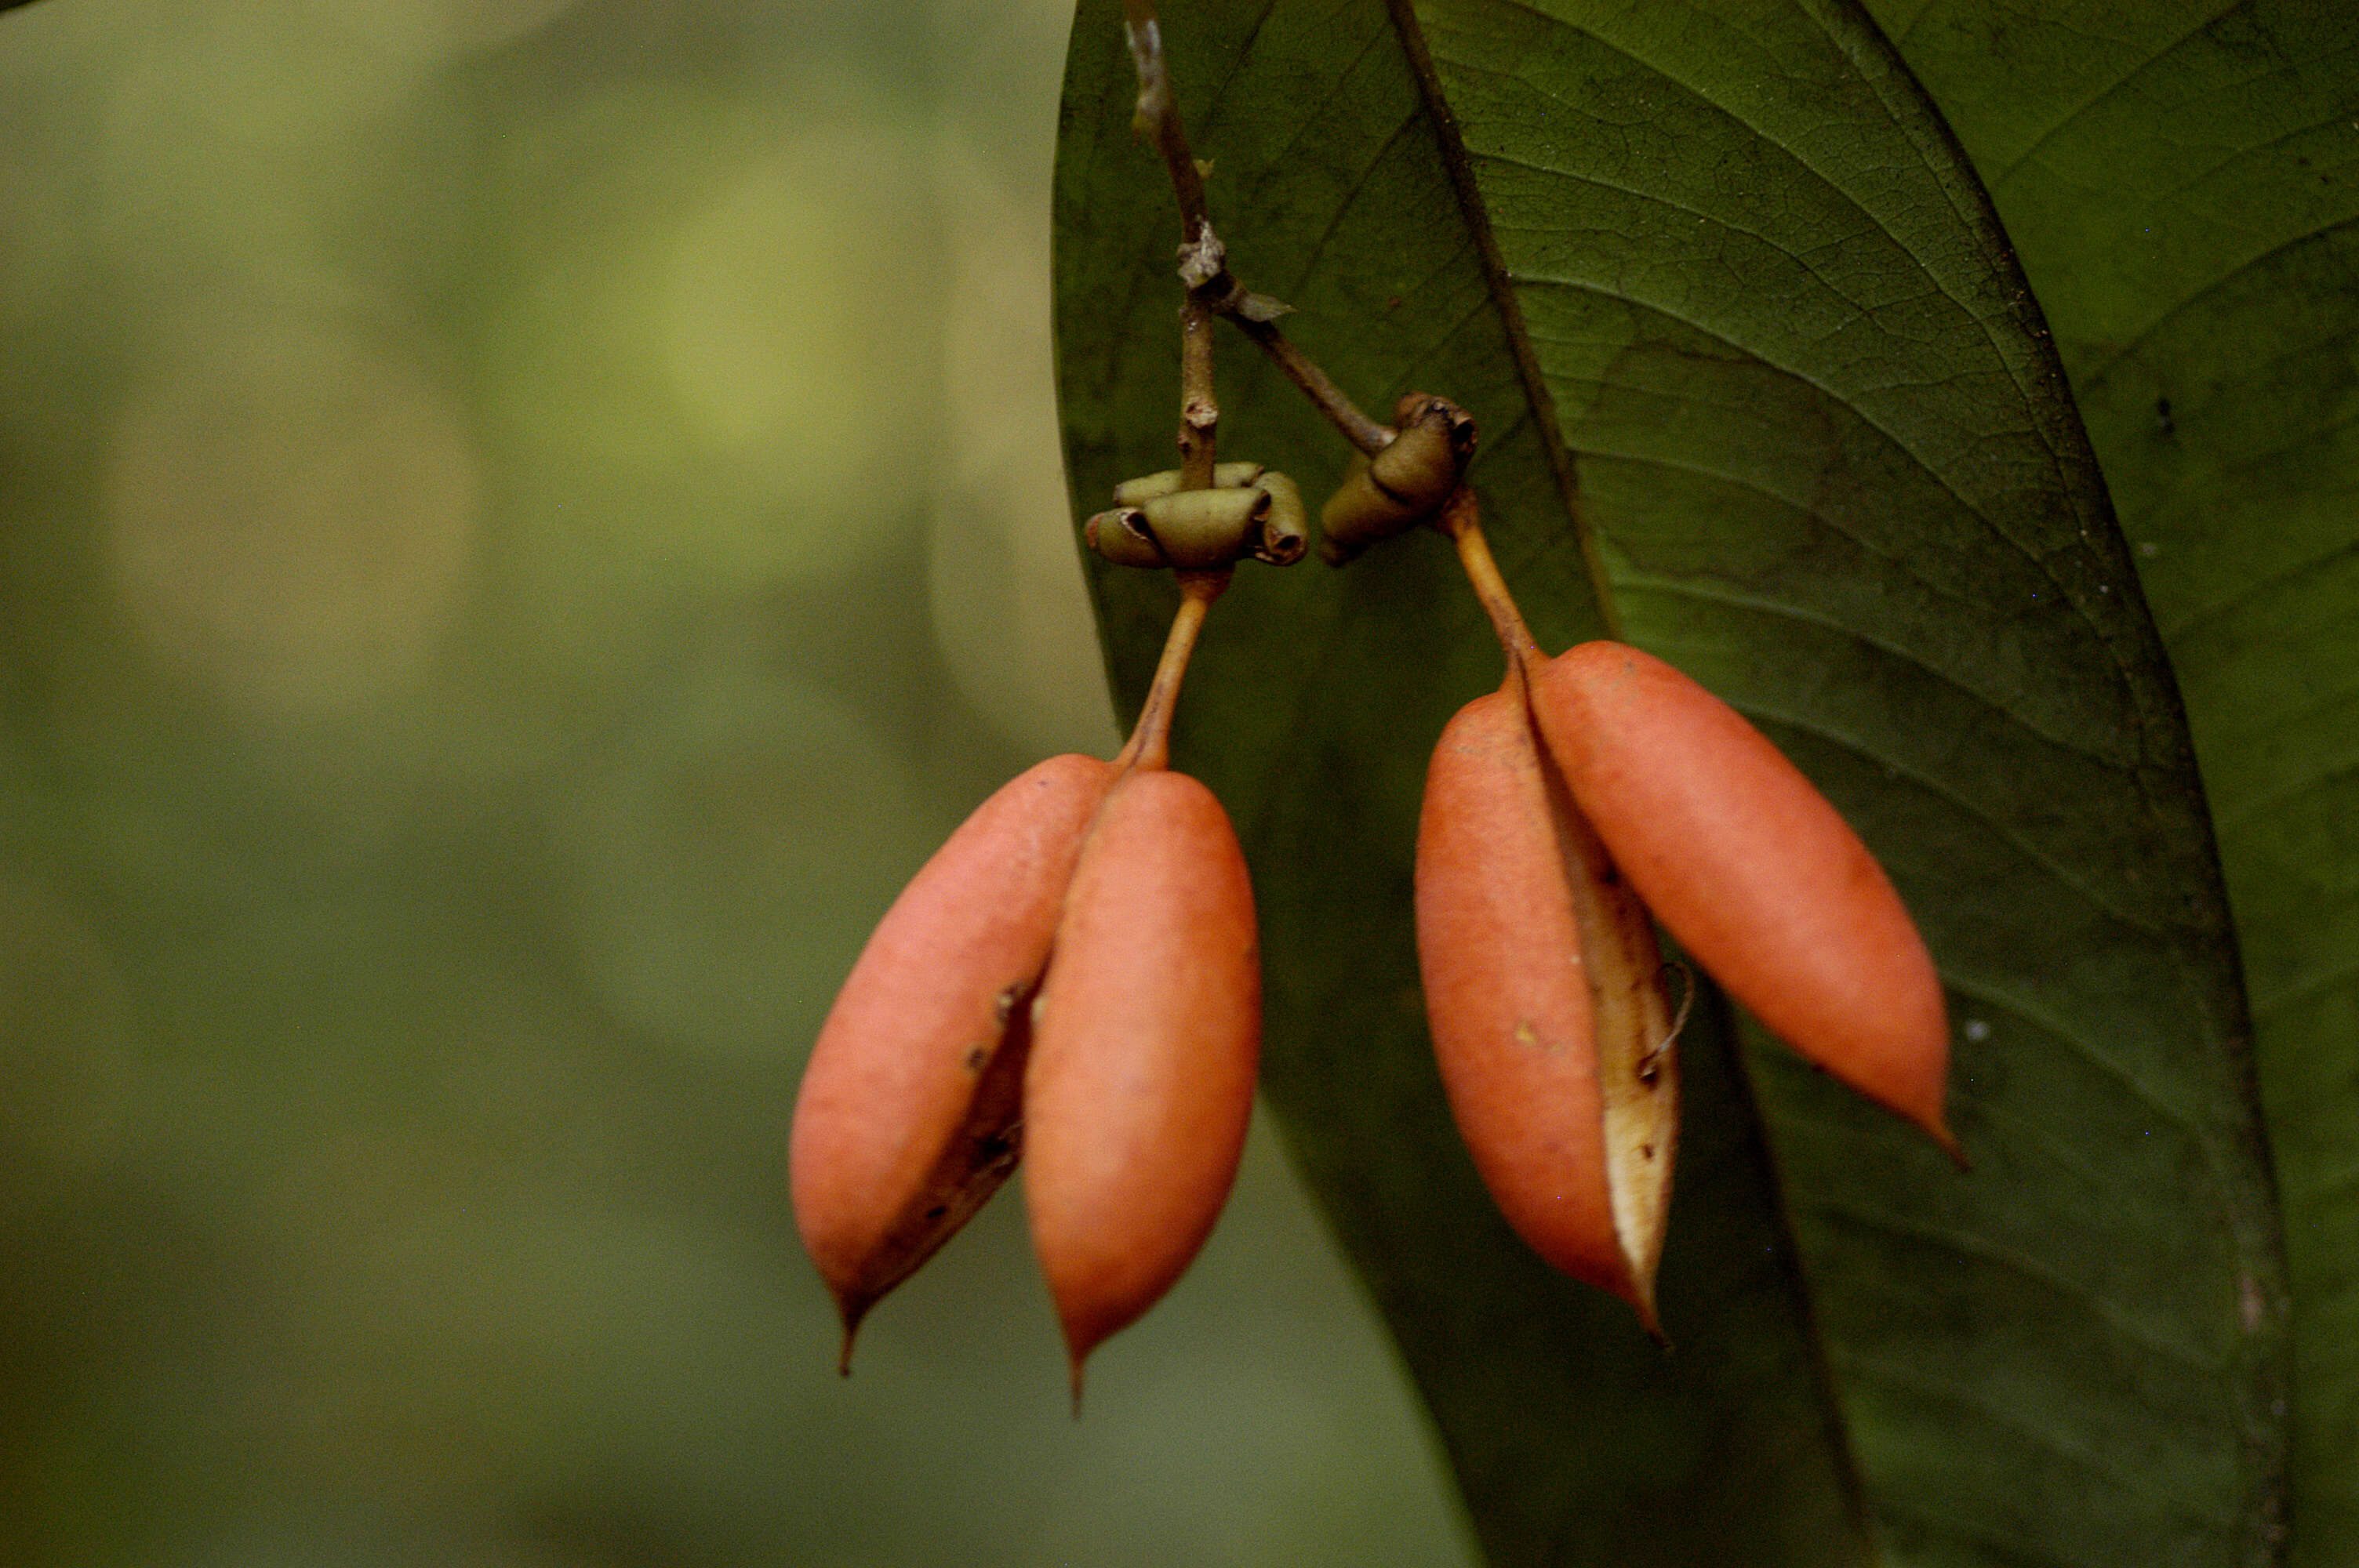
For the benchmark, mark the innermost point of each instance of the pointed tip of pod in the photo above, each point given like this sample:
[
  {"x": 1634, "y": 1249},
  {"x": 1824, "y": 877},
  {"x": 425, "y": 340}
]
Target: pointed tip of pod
[
  {"x": 1140, "y": 1082},
  {"x": 1641, "y": 1297},
  {"x": 1901, "y": 1067},
  {"x": 1641, "y": 1254},
  {"x": 1077, "y": 1369},
  {"x": 852, "y": 1311}
]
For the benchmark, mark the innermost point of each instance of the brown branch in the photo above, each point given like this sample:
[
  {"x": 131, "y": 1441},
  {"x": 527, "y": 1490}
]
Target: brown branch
[
  {"x": 1204, "y": 264},
  {"x": 1200, "y": 409},
  {"x": 1157, "y": 115},
  {"x": 1363, "y": 432}
]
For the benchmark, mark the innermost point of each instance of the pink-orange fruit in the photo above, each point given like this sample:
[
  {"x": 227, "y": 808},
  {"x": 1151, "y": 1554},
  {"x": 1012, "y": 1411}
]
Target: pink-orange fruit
[
  {"x": 909, "y": 1115},
  {"x": 1574, "y": 1142},
  {"x": 1752, "y": 869},
  {"x": 1146, "y": 1041}
]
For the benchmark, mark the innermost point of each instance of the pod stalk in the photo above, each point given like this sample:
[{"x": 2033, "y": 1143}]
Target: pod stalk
[
  {"x": 1460, "y": 518},
  {"x": 1149, "y": 746},
  {"x": 1212, "y": 287}
]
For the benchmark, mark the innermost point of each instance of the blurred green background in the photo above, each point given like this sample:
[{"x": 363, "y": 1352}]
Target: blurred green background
[{"x": 525, "y": 521}]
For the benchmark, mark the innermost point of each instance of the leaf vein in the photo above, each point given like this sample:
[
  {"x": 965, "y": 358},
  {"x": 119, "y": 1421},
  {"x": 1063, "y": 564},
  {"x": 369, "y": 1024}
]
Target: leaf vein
[
  {"x": 2258, "y": 588},
  {"x": 2025, "y": 1266},
  {"x": 1934, "y": 474},
  {"x": 1998, "y": 998},
  {"x": 2137, "y": 339},
  {"x": 2325, "y": 978},
  {"x": 2077, "y": 111},
  {"x": 1808, "y": 616},
  {"x": 2073, "y": 1450}
]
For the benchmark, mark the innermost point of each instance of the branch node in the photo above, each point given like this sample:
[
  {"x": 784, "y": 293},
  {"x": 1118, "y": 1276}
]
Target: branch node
[{"x": 1203, "y": 258}]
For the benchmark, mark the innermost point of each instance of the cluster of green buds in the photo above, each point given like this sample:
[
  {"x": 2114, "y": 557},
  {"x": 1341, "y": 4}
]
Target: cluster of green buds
[
  {"x": 1249, "y": 513},
  {"x": 1404, "y": 483}
]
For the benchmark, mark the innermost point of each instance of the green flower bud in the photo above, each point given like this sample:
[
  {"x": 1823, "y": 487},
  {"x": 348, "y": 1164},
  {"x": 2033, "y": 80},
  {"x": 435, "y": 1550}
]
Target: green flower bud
[
  {"x": 1402, "y": 486},
  {"x": 1202, "y": 529},
  {"x": 1285, "y": 529},
  {"x": 1121, "y": 536}
]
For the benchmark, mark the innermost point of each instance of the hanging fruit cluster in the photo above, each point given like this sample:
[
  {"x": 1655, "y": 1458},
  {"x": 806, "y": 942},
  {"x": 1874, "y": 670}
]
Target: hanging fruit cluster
[{"x": 1073, "y": 978}]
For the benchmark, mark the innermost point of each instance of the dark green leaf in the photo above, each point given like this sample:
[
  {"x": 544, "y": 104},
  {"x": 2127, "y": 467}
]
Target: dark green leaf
[
  {"x": 1727, "y": 256},
  {"x": 2183, "y": 181}
]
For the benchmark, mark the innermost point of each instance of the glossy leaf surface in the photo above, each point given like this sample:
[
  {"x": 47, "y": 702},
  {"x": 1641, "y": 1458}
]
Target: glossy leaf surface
[{"x": 1762, "y": 391}]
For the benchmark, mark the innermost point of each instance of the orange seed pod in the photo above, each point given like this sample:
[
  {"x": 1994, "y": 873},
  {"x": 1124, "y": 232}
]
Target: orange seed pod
[
  {"x": 1146, "y": 1041},
  {"x": 908, "y": 1115},
  {"x": 1560, "y": 1072},
  {"x": 1753, "y": 870}
]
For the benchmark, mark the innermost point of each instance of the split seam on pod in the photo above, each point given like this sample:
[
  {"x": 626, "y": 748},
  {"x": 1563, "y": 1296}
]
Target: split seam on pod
[
  {"x": 909, "y": 1113},
  {"x": 1548, "y": 1024}
]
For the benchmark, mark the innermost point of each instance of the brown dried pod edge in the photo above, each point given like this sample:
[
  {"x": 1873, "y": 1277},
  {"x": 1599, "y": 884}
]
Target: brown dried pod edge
[{"x": 1542, "y": 986}]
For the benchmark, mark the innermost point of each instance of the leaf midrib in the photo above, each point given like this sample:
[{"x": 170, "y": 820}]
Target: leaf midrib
[{"x": 1477, "y": 220}]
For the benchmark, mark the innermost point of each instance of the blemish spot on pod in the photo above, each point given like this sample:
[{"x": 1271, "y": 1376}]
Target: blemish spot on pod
[
  {"x": 1121, "y": 536},
  {"x": 1285, "y": 527},
  {"x": 908, "y": 1113},
  {"x": 1201, "y": 529},
  {"x": 1146, "y": 1044},
  {"x": 1139, "y": 491},
  {"x": 1581, "y": 1172},
  {"x": 1759, "y": 877}
]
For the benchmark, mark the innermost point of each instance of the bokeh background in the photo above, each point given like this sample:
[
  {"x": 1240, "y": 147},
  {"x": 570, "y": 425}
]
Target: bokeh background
[{"x": 522, "y": 522}]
